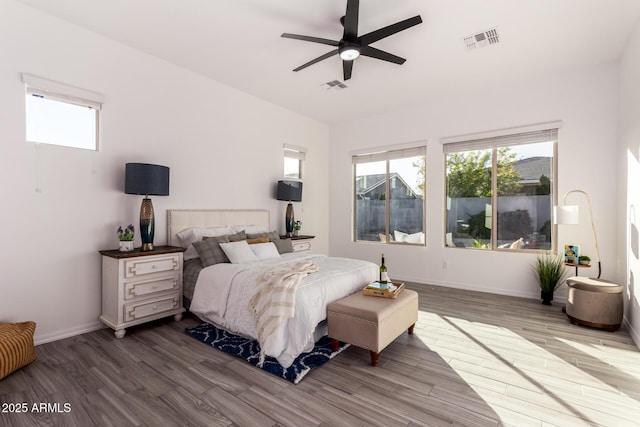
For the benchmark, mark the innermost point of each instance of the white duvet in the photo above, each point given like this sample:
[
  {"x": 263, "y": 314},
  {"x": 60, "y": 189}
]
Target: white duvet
[{"x": 223, "y": 291}]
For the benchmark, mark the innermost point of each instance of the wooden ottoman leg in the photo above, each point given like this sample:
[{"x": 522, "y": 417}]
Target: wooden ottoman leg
[
  {"x": 335, "y": 345},
  {"x": 411, "y": 329},
  {"x": 374, "y": 358}
]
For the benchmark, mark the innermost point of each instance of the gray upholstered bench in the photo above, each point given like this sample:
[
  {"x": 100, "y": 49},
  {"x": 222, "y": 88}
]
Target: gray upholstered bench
[
  {"x": 594, "y": 302},
  {"x": 371, "y": 322}
]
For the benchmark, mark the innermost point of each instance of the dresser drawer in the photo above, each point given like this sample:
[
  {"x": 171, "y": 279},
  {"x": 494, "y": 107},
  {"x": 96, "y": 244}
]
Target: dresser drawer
[
  {"x": 137, "y": 289},
  {"x": 140, "y": 267},
  {"x": 135, "y": 311},
  {"x": 301, "y": 246}
]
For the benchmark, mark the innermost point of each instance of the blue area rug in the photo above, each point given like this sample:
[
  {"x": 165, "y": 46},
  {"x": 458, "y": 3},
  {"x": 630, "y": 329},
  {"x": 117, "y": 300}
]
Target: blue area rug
[{"x": 249, "y": 350}]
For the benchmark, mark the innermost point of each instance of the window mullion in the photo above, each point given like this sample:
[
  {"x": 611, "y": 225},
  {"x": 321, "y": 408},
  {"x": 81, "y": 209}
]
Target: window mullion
[
  {"x": 494, "y": 198},
  {"x": 387, "y": 203}
]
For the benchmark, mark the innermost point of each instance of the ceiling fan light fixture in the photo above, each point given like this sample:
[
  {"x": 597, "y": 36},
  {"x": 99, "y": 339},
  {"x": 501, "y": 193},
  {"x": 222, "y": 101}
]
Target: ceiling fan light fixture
[{"x": 349, "y": 52}]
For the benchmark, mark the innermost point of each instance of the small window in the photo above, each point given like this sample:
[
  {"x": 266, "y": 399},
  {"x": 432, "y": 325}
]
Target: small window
[
  {"x": 293, "y": 159},
  {"x": 61, "y": 115}
]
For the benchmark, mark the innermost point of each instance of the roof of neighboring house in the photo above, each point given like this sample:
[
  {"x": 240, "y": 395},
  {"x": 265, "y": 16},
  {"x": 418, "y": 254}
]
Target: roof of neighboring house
[
  {"x": 375, "y": 180},
  {"x": 532, "y": 168}
]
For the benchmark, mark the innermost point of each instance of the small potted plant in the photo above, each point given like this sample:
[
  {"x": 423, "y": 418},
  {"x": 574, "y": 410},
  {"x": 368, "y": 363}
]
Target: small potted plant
[
  {"x": 297, "y": 225},
  {"x": 550, "y": 273},
  {"x": 584, "y": 260},
  {"x": 126, "y": 238}
]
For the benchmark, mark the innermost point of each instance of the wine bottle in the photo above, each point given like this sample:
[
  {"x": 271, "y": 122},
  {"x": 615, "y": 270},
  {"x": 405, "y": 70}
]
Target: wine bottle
[{"x": 384, "y": 277}]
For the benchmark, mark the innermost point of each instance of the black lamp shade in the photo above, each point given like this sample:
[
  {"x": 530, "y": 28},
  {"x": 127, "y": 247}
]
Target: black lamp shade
[
  {"x": 147, "y": 179},
  {"x": 289, "y": 191}
]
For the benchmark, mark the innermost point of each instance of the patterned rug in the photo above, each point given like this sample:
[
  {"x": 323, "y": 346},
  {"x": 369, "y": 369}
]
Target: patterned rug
[{"x": 249, "y": 350}]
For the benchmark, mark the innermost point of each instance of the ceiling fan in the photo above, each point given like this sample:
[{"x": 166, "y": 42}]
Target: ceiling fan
[{"x": 351, "y": 45}]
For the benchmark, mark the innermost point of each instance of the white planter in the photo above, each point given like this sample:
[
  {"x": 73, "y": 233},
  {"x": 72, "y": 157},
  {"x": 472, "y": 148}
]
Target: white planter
[{"x": 126, "y": 246}]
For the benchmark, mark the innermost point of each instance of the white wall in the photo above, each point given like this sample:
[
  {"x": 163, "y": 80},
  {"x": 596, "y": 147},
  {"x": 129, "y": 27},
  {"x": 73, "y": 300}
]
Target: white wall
[
  {"x": 223, "y": 146},
  {"x": 586, "y": 103},
  {"x": 628, "y": 183}
]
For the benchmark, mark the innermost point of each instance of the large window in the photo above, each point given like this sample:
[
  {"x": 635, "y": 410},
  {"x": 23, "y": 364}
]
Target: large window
[
  {"x": 61, "y": 115},
  {"x": 389, "y": 196},
  {"x": 500, "y": 191}
]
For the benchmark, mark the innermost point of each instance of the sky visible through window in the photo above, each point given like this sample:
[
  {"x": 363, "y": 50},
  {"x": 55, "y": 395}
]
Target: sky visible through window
[{"x": 60, "y": 123}]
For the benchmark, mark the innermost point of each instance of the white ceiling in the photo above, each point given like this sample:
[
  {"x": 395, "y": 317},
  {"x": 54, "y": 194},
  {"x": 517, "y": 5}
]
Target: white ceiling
[{"x": 237, "y": 42}]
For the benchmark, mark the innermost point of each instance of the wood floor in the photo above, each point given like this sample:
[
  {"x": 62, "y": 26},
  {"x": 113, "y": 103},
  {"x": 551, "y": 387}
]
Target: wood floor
[{"x": 475, "y": 360}]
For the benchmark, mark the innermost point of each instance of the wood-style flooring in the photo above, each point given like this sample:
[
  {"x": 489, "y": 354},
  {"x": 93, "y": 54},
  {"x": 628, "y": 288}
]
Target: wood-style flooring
[{"x": 475, "y": 360}]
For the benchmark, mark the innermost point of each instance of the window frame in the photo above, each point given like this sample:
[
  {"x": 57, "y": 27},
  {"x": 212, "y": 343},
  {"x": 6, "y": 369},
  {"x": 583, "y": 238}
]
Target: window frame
[
  {"x": 387, "y": 155},
  {"x": 493, "y": 141},
  {"x": 297, "y": 153},
  {"x": 40, "y": 87}
]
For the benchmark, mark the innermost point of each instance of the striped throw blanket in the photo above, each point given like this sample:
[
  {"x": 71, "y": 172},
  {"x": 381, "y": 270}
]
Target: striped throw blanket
[{"x": 274, "y": 302}]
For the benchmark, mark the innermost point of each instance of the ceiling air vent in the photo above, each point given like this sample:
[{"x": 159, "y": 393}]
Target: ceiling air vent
[
  {"x": 335, "y": 84},
  {"x": 482, "y": 39}
]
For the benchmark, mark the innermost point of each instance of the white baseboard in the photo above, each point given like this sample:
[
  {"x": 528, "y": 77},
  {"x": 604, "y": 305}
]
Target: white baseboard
[
  {"x": 66, "y": 333},
  {"x": 534, "y": 294}
]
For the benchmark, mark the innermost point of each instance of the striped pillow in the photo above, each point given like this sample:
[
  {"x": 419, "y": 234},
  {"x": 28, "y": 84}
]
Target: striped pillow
[{"x": 16, "y": 346}]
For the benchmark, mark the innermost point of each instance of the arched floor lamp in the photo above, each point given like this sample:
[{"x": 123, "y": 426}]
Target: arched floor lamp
[{"x": 570, "y": 215}]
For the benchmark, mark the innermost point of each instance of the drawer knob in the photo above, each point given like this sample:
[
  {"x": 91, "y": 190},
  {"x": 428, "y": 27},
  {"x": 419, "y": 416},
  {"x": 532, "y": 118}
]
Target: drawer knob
[
  {"x": 155, "y": 307},
  {"x": 154, "y": 286}
]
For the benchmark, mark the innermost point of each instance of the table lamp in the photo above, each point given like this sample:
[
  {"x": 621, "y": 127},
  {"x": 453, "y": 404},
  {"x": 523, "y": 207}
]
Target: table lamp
[
  {"x": 289, "y": 191},
  {"x": 148, "y": 180}
]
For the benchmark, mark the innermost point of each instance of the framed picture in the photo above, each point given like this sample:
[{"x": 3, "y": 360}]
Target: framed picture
[{"x": 571, "y": 254}]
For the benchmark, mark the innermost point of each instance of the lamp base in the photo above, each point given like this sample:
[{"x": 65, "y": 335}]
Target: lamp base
[
  {"x": 147, "y": 224},
  {"x": 147, "y": 247},
  {"x": 288, "y": 220}
]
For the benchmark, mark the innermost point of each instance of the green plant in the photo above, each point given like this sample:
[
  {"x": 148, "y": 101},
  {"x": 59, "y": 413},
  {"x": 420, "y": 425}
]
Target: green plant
[
  {"x": 584, "y": 258},
  {"x": 479, "y": 244},
  {"x": 550, "y": 271},
  {"x": 127, "y": 234},
  {"x": 297, "y": 225}
]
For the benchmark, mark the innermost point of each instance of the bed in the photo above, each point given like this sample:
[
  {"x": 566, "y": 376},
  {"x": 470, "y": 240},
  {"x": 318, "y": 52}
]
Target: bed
[{"x": 221, "y": 293}]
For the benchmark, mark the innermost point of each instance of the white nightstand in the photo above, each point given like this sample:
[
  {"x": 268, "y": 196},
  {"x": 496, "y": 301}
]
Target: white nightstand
[
  {"x": 138, "y": 287},
  {"x": 300, "y": 243}
]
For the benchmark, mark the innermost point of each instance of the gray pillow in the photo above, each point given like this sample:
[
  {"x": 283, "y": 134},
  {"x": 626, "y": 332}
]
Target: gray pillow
[{"x": 210, "y": 251}]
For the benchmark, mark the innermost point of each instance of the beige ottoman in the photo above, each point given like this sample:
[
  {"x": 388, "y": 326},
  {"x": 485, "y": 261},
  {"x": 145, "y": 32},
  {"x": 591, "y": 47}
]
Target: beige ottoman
[
  {"x": 372, "y": 322},
  {"x": 595, "y": 302}
]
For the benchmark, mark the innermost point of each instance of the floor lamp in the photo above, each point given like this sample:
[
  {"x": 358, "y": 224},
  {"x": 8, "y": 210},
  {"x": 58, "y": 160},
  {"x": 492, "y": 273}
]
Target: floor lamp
[{"x": 570, "y": 215}]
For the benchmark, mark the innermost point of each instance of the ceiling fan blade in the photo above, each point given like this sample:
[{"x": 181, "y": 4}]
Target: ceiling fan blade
[
  {"x": 347, "y": 66},
  {"x": 372, "y": 52},
  {"x": 310, "y": 39},
  {"x": 318, "y": 59},
  {"x": 351, "y": 20},
  {"x": 390, "y": 30}
]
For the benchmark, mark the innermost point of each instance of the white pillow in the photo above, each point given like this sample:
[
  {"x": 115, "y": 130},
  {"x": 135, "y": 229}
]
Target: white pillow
[
  {"x": 249, "y": 229},
  {"x": 399, "y": 236},
  {"x": 265, "y": 250},
  {"x": 238, "y": 252},
  {"x": 195, "y": 234}
]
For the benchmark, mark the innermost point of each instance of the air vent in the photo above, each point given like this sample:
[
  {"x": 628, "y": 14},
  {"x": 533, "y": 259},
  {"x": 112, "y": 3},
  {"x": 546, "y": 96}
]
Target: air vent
[
  {"x": 335, "y": 84},
  {"x": 482, "y": 39}
]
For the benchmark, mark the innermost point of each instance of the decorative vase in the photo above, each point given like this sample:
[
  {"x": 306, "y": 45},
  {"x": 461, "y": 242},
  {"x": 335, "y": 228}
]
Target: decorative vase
[
  {"x": 295, "y": 232},
  {"x": 547, "y": 297},
  {"x": 126, "y": 246}
]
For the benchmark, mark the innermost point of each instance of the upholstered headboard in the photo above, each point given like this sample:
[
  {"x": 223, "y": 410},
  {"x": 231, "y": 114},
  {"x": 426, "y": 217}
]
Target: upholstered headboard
[{"x": 179, "y": 219}]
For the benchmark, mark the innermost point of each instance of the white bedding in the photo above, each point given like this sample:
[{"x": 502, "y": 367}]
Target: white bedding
[{"x": 223, "y": 291}]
